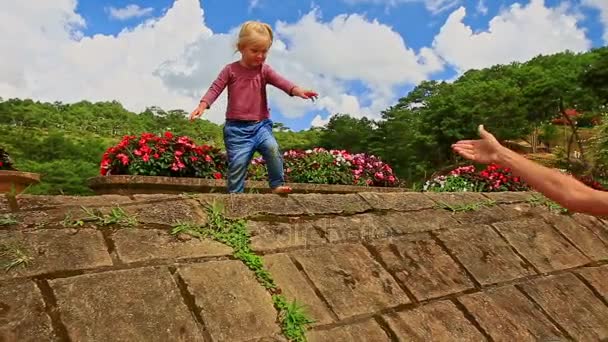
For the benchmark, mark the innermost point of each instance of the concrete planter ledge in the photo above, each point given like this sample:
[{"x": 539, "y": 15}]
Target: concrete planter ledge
[{"x": 125, "y": 184}]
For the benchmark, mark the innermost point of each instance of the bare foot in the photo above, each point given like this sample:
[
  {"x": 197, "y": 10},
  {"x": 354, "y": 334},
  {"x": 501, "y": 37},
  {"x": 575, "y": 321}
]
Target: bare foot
[{"x": 282, "y": 190}]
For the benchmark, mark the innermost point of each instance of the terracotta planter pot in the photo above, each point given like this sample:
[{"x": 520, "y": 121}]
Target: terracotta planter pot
[{"x": 16, "y": 181}]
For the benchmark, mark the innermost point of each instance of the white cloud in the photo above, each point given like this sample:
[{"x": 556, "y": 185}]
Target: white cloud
[
  {"x": 517, "y": 34},
  {"x": 434, "y": 6},
  {"x": 602, "y": 6},
  {"x": 318, "y": 121},
  {"x": 128, "y": 12},
  {"x": 44, "y": 56},
  {"x": 253, "y": 4},
  {"x": 481, "y": 7},
  {"x": 321, "y": 56},
  {"x": 171, "y": 61}
]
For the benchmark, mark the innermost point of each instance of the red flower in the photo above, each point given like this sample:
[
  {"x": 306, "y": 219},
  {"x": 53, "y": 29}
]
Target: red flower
[
  {"x": 217, "y": 175},
  {"x": 168, "y": 135}
]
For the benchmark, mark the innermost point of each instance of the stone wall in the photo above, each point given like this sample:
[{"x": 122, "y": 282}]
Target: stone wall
[{"x": 368, "y": 267}]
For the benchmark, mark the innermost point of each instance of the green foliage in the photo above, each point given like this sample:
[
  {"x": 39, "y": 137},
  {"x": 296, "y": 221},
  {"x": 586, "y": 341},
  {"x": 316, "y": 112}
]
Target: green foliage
[
  {"x": 463, "y": 207},
  {"x": 7, "y": 220},
  {"x": 293, "y": 318},
  {"x": 539, "y": 200},
  {"x": 599, "y": 150},
  {"x": 344, "y": 132},
  {"x": 117, "y": 216},
  {"x": 13, "y": 254}
]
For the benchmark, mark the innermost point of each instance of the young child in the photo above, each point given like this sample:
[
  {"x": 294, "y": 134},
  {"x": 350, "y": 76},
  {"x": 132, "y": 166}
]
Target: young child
[{"x": 248, "y": 127}]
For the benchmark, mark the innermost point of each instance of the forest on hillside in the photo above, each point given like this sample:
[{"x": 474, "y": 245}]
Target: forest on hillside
[{"x": 65, "y": 142}]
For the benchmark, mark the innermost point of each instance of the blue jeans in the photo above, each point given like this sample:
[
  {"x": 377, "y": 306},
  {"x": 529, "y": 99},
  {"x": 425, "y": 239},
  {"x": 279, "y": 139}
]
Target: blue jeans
[{"x": 242, "y": 139}]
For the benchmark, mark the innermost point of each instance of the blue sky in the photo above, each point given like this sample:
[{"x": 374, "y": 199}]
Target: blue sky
[{"x": 361, "y": 55}]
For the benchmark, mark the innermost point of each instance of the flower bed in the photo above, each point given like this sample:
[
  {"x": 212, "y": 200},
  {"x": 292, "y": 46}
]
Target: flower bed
[
  {"x": 466, "y": 178},
  {"x": 491, "y": 179},
  {"x": 5, "y": 161},
  {"x": 165, "y": 155},
  {"x": 321, "y": 166},
  {"x": 172, "y": 156}
]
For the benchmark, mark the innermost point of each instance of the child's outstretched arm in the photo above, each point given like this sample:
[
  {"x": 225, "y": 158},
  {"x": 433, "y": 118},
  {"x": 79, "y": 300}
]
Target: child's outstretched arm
[
  {"x": 216, "y": 88},
  {"x": 563, "y": 189},
  {"x": 287, "y": 86}
]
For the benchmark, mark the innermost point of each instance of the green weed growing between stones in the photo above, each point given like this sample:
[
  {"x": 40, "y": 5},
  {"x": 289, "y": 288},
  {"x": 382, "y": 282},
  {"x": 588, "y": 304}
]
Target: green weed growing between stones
[
  {"x": 460, "y": 207},
  {"x": 234, "y": 233},
  {"x": 13, "y": 254},
  {"x": 7, "y": 220},
  {"x": 116, "y": 216},
  {"x": 536, "y": 200}
]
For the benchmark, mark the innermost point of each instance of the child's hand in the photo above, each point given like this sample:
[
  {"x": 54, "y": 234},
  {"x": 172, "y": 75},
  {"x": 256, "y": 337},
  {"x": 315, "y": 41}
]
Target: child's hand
[
  {"x": 305, "y": 94},
  {"x": 198, "y": 111}
]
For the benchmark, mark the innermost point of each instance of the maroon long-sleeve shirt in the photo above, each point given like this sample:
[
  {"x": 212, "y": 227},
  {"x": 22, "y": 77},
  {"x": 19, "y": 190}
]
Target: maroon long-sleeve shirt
[{"x": 246, "y": 90}]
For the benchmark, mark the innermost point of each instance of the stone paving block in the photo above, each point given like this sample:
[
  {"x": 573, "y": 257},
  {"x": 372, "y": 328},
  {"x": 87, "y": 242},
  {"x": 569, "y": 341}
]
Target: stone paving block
[
  {"x": 598, "y": 278},
  {"x": 166, "y": 213},
  {"x": 332, "y": 203},
  {"x": 456, "y": 198},
  {"x": 583, "y": 237},
  {"x": 271, "y": 236},
  {"x": 509, "y": 197},
  {"x": 22, "y": 315},
  {"x": 507, "y": 315},
  {"x": 572, "y": 305},
  {"x": 418, "y": 221},
  {"x": 524, "y": 210},
  {"x": 38, "y": 202},
  {"x": 350, "y": 280},
  {"x": 484, "y": 254},
  {"x": 55, "y": 218},
  {"x": 365, "y": 331},
  {"x": 541, "y": 245},
  {"x": 161, "y": 197},
  {"x": 141, "y": 304},
  {"x": 361, "y": 227},
  {"x": 55, "y": 250},
  {"x": 599, "y": 227},
  {"x": 234, "y": 306},
  {"x": 438, "y": 321},
  {"x": 423, "y": 266},
  {"x": 294, "y": 286},
  {"x": 398, "y": 201},
  {"x": 484, "y": 215},
  {"x": 133, "y": 245},
  {"x": 251, "y": 205}
]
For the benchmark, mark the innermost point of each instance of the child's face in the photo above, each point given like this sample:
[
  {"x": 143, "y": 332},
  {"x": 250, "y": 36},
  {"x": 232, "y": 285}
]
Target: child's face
[{"x": 255, "y": 54}]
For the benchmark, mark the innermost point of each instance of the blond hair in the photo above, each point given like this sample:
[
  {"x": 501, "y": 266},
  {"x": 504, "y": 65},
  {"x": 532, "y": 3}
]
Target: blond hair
[{"x": 254, "y": 32}]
